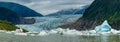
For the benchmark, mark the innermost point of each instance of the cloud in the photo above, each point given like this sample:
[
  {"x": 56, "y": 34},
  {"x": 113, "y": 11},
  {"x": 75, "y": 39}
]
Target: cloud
[{"x": 49, "y": 6}]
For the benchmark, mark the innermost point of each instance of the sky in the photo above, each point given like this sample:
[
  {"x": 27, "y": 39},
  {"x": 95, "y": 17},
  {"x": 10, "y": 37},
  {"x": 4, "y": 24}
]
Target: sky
[{"x": 46, "y": 7}]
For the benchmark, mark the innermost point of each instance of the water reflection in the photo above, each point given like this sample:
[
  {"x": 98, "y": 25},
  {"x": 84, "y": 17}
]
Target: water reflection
[
  {"x": 101, "y": 38},
  {"x": 104, "y": 38}
]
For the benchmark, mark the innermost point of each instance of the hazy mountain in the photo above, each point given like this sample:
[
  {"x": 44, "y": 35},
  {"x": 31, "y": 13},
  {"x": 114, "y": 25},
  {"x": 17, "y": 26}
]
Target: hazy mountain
[{"x": 68, "y": 12}]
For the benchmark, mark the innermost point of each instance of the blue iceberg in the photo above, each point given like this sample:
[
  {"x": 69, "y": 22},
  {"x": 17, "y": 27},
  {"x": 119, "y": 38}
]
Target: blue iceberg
[{"x": 104, "y": 27}]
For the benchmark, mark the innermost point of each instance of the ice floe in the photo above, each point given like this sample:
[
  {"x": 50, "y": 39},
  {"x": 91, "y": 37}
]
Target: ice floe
[
  {"x": 60, "y": 31},
  {"x": 104, "y": 27}
]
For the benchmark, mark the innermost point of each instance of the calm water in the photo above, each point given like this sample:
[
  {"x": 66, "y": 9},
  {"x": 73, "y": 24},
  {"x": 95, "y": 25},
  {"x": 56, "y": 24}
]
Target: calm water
[{"x": 58, "y": 38}]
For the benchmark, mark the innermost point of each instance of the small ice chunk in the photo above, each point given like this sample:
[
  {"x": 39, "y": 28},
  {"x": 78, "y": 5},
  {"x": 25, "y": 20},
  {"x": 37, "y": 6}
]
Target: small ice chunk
[
  {"x": 19, "y": 30},
  {"x": 60, "y": 31},
  {"x": 72, "y": 32},
  {"x": 25, "y": 34},
  {"x": 115, "y": 31},
  {"x": 32, "y": 33},
  {"x": 53, "y": 31},
  {"x": 92, "y": 32},
  {"x": 3, "y": 31},
  {"x": 43, "y": 33}
]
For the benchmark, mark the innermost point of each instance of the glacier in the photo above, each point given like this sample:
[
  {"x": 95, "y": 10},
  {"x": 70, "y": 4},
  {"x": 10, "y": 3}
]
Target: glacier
[
  {"x": 49, "y": 22},
  {"x": 47, "y": 25}
]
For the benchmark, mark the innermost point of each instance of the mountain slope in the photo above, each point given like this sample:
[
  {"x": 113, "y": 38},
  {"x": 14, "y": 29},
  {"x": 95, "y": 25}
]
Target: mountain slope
[
  {"x": 99, "y": 11},
  {"x": 20, "y": 9},
  {"x": 5, "y": 25},
  {"x": 8, "y": 26},
  {"x": 6, "y": 14}
]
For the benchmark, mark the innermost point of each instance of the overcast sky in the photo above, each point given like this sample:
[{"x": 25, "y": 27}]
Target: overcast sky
[{"x": 49, "y": 6}]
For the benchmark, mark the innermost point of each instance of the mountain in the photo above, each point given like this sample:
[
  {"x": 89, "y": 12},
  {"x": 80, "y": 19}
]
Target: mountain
[
  {"x": 68, "y": 12},
  {"x": 20, "y": 9},
  {"x": 13, "y": 17},
  {"x": 8, "y": 18},
  {"x": 99, "y": 11},
  {"x": 6, "y": 14}
]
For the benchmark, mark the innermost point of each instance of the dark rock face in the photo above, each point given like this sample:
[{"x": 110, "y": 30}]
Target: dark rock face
[
  {"x": 20, "y": 9},
  {"x": 99, "y": 11}
]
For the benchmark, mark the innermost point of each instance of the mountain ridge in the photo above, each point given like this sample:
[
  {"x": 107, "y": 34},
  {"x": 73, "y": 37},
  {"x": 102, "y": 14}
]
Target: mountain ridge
[
  {"x": 71, "y": 11},
  {"x": 20, "y": 9}
]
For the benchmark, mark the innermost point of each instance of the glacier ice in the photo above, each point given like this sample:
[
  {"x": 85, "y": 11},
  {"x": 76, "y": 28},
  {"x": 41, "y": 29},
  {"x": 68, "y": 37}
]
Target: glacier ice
[
  {"x": 104, "y": 27},
  {"x": 48, "y": 23}
]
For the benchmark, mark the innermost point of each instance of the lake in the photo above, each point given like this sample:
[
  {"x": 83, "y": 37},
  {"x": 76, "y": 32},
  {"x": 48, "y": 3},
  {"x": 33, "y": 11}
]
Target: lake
[{"x": 58, "y": 38}]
